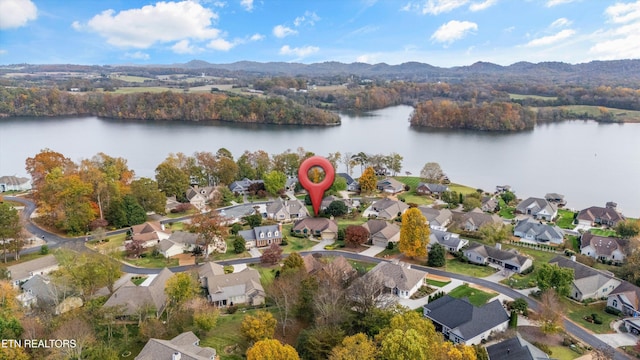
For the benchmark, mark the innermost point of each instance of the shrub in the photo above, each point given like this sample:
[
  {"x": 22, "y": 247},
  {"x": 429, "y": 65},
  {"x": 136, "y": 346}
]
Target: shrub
[
  {"x": 543, "y": 347},
  {"x": 389, "y": 245},
  {"x": 44, "y": 250},
  {"x": 529, "y": 270},
  {"x": 612, "y": 310},
  {"x": 232, "y": 309}
]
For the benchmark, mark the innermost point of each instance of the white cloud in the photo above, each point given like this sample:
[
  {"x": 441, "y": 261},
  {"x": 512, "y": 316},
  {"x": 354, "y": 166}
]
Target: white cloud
[
  {"x": 16, "y": 13},
  {"x": 220, "y": 44},
  {"x": 561, "y": 22},
  {"x": 551, "y": 39},
  {"x": 138, "y": 55},
  {"x": 299, "y": 51},
  {"x": 281, "y": 31},
  {"x": 256, "y": 37},
  {"x": 308, "y": 18},
  {"x": 482, "y": 5},
  {"x": 247, "y": 4},
  {"x": 3, "y": 51},
  {"x": 435, "y": 7},
  {"x": 622, "y": 41},
  {"x": 552, "y": 3},
  {"x": 453, "y": 30},
  {"x": 184, "y": 47},
  {"x": 162, "y": 22},
  {"x": 623, "y": 13}
]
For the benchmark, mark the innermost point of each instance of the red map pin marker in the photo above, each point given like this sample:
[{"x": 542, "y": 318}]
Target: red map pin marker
[{"x": 316, "y": 190}]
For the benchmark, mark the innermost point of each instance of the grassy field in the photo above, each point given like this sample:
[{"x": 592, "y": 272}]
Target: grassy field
[
  {"x": 519, "y": 282},
  {"x": 153, "y": 262},
  {"x": 565, "y": 219},
  {"x": 295, "y": 244},
  {"x": 267, "y": 273},
  {"x": 226, "y": 337},
  {"x": 603, "y": 232},
  {"x": 437, "y": 283},
  {"x": 459, "y": 267},
  {"x": 577, "y": 313},
  {"x": 619, "y": 114},
  {"x": 538, "y": 256},
  {"x": 475, "y": 296},
  {"x": 411, "y": 197},
  {"x": 537, "y": 97},
  {"x": 563, "y": 353},
  {"x": 140, "y": 89},
  {"x": 507, "y": 212},
  {"x": 132, "y": 79}
]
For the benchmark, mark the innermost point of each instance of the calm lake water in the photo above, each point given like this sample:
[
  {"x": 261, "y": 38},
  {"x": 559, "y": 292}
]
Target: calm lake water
[{"x": 589, "y": 163}]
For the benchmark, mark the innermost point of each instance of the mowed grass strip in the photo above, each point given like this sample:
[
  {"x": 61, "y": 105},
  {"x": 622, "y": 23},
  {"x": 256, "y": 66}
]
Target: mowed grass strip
[{"x": 476, "y": 297}]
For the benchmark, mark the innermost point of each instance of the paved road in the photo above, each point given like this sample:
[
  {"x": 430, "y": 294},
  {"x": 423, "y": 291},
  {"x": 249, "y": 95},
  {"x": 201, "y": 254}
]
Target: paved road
[{"x": 55, "y": 241}]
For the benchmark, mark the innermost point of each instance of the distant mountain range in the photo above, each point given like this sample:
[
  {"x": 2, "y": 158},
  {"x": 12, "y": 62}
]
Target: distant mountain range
[{"x": 613, "y": 72}]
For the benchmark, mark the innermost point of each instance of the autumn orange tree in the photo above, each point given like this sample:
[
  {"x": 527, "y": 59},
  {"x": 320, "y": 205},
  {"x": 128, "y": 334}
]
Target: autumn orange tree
[
  {"x": 368, "y": 181},
  {"x": 414, "y": 233}
]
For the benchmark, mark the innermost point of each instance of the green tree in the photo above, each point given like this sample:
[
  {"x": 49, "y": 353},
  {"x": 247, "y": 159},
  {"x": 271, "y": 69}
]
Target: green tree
[
  {"x": 494, "y": 233},
  {"x": 356, "y": 347},
  {"x": 239, "y": 245},
  {"x": 339, "y": 184},
  {"x": 436, "y": 256},
  {"x": 180, "y": 288},
  {"x": 508, "y": 197},
  {"x": 274, "y": 181},
  {"x": 148, "y": 195},
  {"x": 316, "y": 343},
  {"x": 336, "y": 208},
  {"x": 270, "y": 349},
  {"x": 87, "y": 272},
  {"x": 471, "y": 203},
  {"x": 394, "y": 163},
  {"x": 9, "y": 226},
  {"x": 293, "y": 262},
  {"x": 628, "y": 228},
  {"x": 513, "y": 319},
  {"x": 172, "y": 180},
  {"x": 253, "y": 220},
  {"x": 521, "y": 306},
  {"x": 258, "y": 327},
  {"x": 554, "y": 277},
  {"x": 414, "y": 233},
  {"x": 450, "y": 197},
  {"x": 125, "y": 212},
  {"x": 368, "y": 181}
]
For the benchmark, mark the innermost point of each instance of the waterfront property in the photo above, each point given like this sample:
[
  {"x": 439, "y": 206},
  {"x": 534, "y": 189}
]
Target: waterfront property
[
  {"x": 626, "y": 299},
  {"x": 463, "y": 323},
  {"x": 603, "y": 248},
  {"x": 595, "y": 215},
  {"x": 530, "y": 230},
  {"x": 540, "y": 209}
]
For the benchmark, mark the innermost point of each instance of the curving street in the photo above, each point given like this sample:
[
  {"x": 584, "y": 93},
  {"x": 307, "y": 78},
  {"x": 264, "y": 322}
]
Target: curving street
[{"x": 55, "y": 241}]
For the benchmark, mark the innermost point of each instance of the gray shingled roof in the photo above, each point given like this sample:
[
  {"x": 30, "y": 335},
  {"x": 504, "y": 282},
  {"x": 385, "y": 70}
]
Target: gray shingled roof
[
  {"x": 586, "y": 278},
  {"x": 133, "y": 297},
  {"x": 398, "y": 275},
  {"x": 542, "y": 232},
  {"x": 515, "y": 348},
  {"x": 535, "y": 205},
  {"x": 185, "y": 344},
  {"x": 435, "y": 216},
  {"x": 224, "y": 286},
  {"x": 464, "y": 319},
  {"x": 479, "y": 218},
  {"x": 446, "y": 239},
  {"x": 28, "y": 268},
  {"x": 388, "y": 208},
  {"x": 13, "y": 180},
  {"x": 254, "y": 234},
  {"x": 316, "y": 225},
  {"x": 499, "y": 254}
]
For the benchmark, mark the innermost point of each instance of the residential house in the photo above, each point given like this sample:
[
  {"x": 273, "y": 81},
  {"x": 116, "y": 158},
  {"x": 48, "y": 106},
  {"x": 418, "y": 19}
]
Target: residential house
[
  {"x": 22, "y": 272},
  {"x": 150, "y": 233},
  {"x": 262, "y": 236},
  {"x": 286, "y": 210},
  {"x": 13, "y": 183},
  {"x": 463, "y": 323},
  {"x": 390, "y": 185},
  {"x": 387, "y": 209},
  {"x": 626, "y": 298},
  {"x": 533, "y": 231},
  {"x": 183, "y": 242},
  {"x": 450, "y": 241},
  {"x": 381, "y": 232},
  {"x": 431, "y": 189},
  {"x": 290, "y": 184},
  {"x": 556, "y": 198},
  {"x": 185, "y": 346},
  {"x": 502, "y": 188},
  {"x": 603, "y": 248},
  {"x": 324, "y": 228},
  {"x": 475, "y": 219},
  {"x": 438, "y": 219},
  {"x": 515, "y": 348},
  {"x": 488, "y": 255},
  {"x": 349, "y": 203},
  {"x": 588, "y": 283},
  {"x": 595, "y": 215},
  {"x": 352, "y": 185},
  {"x": 242, "y": 186},
  {"x": 632, "y": 325},
  {"x": 242, "y": 287},
  {"x": 540, "y": 209},
  {"x": 147, "y": 296},
  {"x": 38, "y": 291},
  {"x": 489, "y": 204},
  {"x": 399, "y": 278},
  {"x": 199, "y": 197},
  {"x": 338, "y": 265}
]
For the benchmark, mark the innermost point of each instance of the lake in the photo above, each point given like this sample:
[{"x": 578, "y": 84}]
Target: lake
[{"x": 589, "y": 163}]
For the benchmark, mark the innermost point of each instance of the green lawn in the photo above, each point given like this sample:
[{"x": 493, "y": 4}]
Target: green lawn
[
  {"x": 537, "y": 97},
  {"x": 267, "y": 273},
  {"x": 517, "y": 281},
  {"x": 296, "y": 244},
  {"x": 507, "y": 212},
  {"x": 153, "y": 262},
  {"x": 476, "y": 297},
  {"x": 412, "y": 197},
  {"x": 412, "y": 181},
  {"x": 361, "y": 266},
  {"x": 137, "y": 280},
  {"x": 459, "y": 267},
  {"x": 538, "y": 256},
  {"x": 563, "y": 353},
  {"x": 437, "y": 283},
  {"x": 387, "y": 252},
  {"x": 230, "y": 254},
  {"x": 603, "y": 232},
  {"x": 226, "y": 337},
  {"x": 344, "y": 222},
  {"x": 577, "y": 313},
  {"x": 565, "y": 219}
]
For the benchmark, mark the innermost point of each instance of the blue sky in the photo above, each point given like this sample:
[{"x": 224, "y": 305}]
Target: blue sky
[{"x": 439, "y": 32}]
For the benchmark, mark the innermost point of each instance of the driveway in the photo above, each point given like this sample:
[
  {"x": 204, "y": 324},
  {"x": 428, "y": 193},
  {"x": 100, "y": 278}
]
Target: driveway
[
  {"x": 618, "y": 339},
  {"x": 255, "y": 252},
  {"x": 372, "y": 251},
  {"x": 322, "y": 244}
]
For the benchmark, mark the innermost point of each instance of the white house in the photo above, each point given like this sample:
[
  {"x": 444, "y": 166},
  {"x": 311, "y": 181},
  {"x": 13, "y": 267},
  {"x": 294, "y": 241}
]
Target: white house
[{"x": 13, "y": 183}]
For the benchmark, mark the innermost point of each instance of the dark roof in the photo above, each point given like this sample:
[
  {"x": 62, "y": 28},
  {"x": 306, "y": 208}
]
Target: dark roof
[
  {"x": 499, "y": 254},
  {"x": 447, "y": 239},
  {"x": 515, "y": 348},
  {"x": 596, "y": 212},
  {"x": 580, "y": 270},
  {"x": 434, "y": 188},
  {"x": 347, "y": 177},
  {"x": 463, "y": 318},
  {"x": 254, "y": 234},
  {"x": 601, "y": 244}
]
